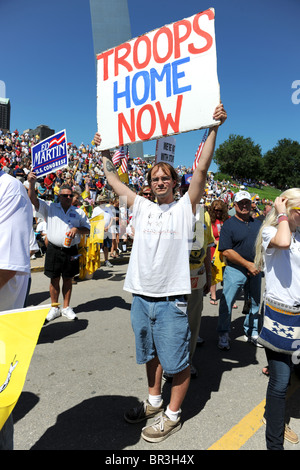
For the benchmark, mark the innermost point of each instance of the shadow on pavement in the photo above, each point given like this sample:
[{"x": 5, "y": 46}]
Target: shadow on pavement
[{"x": 94, "y": 424}]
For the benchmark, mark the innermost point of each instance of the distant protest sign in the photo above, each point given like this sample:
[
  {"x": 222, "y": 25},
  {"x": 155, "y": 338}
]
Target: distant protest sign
[
  {"x": 50, "y": 154},
  {"x": 165, "y": 150},
  {"x": 162, "y": 83}
]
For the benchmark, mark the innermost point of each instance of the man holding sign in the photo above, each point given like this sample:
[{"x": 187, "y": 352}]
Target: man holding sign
[
  {"x": 159, "y": 278},
  {"x": 63, "y": 221}
]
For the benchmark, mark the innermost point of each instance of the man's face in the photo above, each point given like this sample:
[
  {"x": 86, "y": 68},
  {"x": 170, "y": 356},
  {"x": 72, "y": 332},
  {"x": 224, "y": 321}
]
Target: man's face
[
  {"x": 162, "y": 184},
  {"x": 65, "y": 198},
  {"x": 147, "y": 193},
  {"x": 243, "y": 207}
]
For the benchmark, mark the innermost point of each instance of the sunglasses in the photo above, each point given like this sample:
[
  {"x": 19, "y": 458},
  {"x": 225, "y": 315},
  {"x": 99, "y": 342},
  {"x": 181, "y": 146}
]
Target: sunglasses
[
  {"x": 296, "y": 208},
  {"x": 146, "y": 194},
  {"x": 66, "y": 195}
]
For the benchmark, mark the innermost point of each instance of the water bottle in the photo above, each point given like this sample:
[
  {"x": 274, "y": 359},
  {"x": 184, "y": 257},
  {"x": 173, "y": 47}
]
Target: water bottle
[{"x": 68, "y": 239}]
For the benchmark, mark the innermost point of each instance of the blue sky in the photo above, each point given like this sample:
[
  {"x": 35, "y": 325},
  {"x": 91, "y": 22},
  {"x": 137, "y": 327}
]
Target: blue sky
[{"x": 48, "y": 66}]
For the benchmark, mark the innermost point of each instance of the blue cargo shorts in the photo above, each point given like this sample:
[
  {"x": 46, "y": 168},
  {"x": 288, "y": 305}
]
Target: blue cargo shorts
[{"x": 161, "y": 330}]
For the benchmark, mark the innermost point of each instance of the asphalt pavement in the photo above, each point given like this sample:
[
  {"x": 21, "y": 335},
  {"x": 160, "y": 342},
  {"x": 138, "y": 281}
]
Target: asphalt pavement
[{"x": 83, "y": 376}]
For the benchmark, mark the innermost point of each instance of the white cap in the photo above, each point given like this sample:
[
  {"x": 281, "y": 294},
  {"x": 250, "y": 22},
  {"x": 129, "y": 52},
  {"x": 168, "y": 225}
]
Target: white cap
[{"x": 242, "y": 195}]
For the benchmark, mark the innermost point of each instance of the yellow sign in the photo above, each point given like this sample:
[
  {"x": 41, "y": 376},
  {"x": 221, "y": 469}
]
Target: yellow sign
[
  {"x": 19, "y": 332},
  {"x": 97, "y": 229},
  {"x": 123, "y": 176}
]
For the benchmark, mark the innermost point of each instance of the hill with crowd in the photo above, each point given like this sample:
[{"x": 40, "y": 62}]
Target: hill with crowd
[{"x": 85, "y": 173}]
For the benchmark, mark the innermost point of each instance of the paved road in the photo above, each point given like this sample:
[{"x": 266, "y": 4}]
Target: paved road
[{"x": 83, "y": 375}]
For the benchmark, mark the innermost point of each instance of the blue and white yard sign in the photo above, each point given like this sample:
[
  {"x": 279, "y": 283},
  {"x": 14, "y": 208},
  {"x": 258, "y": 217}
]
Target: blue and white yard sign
[{"x": 50, "y": 154}]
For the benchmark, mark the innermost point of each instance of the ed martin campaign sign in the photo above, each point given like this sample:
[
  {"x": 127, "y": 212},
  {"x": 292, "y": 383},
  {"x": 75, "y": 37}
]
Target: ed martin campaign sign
[
  {"x": 162, "y": 83},
  {"x": 50, "y": 154}
]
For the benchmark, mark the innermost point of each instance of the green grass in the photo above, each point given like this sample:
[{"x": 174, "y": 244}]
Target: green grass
[{"x": 265, "y": 193}]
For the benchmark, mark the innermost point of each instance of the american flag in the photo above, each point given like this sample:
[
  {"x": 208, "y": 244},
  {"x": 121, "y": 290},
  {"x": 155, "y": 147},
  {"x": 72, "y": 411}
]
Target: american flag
[
  {"x": 118, "y": 155},
  {"x": 199, "y": 151},
  {"x": 125, "y": 161}
]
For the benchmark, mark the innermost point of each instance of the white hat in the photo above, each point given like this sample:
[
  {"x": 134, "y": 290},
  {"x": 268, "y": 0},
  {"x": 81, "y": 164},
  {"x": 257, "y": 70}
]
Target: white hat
[{"x": 242, "y": 195}]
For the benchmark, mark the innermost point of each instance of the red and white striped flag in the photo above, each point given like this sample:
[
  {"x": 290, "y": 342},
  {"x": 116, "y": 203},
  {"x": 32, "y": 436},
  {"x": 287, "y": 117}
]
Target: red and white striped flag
[
  {"x": 124, "y": 164},
  {"x": 199, "y": 151},
  {"x": 118, "y": 155}
]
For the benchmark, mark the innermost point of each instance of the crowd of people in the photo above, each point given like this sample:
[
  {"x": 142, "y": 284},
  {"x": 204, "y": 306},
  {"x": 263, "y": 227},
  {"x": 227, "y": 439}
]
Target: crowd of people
[
  {"x": 85, "y": 173},
  {"x": 224, "y": 221}
]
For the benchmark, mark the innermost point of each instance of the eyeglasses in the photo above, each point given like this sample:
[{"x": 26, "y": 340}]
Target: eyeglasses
[
  {"x": 164, "y": 179},
  {"x": 66, "y": 195}
]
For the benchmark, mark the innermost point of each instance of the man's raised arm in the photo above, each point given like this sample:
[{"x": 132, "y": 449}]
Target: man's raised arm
[
  {"x": 198, "y": 181},
  {"x": 31, "y": 190},
  {"x": 112, "y": 176}
]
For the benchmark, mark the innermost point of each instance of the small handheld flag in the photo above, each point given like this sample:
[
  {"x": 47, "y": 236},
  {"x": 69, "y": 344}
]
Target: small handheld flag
[{"x": 199, "y": 151}]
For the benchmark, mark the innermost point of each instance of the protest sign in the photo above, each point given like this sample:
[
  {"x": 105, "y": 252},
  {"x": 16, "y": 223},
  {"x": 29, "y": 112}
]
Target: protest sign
[
  {"x": 162, "y": 83},
  {"x": 165, "y": 150},
  {"x": 50, "y": 154},
  {"x": 19, "y": 332}
]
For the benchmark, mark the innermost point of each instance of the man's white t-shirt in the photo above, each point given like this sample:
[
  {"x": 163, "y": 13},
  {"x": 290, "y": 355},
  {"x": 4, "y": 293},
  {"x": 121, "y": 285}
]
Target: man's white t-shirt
[
  {"x": 16, "y": 219},
  {"x": 159, "y": 261},
  {"x": 107, "y": 214},
  {"x": 282, "y": 269}
]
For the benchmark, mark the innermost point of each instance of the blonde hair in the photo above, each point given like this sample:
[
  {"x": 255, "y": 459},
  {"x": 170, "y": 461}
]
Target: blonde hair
[{"x": 293, "y": 197}]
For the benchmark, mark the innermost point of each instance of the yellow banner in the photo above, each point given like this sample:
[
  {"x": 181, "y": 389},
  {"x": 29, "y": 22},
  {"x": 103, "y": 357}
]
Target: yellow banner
[
  {"x": 19, "y": 332},
  {"x": 85, "y": 194},
  {"x": 97, "y": 229},
  {"x": 123, "y": 176}
]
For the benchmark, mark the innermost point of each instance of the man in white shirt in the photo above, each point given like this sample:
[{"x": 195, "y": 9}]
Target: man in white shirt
[
  {"x": 158, "y": 275},
  {"x": 15, "y": 229},
  {"x": 61, "y": 261}
]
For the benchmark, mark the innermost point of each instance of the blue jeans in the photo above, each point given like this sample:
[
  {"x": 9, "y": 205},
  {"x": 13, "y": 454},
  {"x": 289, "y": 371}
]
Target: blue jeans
[
  {"x": 233, "y": 280},
  {"x": 161, "y": 329},
  {"x": 280, "y": 370}
]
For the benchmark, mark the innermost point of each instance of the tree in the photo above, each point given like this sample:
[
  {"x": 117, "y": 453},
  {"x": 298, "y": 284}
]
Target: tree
[
  {"x": 281, "y": 165},
  {"x": 239, "y": 157}
]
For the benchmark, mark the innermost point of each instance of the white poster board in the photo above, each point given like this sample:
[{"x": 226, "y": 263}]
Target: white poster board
[
  {"x": 162, "y": 83},
  {"x": 165, "y": 150}
]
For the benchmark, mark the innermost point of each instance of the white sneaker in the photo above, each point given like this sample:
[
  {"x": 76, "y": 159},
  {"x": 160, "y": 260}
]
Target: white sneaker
[
  {"x": 254, "y": 341},
  {"x": 224, "y": 342},
  {"x": 108, "y": 263},
  {"x": 54, "y": 312},
  {"x": 69, "y": 313}
]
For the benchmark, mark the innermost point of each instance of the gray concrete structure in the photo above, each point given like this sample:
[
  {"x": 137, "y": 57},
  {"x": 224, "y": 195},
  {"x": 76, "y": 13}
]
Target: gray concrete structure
[
  {"x": 5, "y": 114},
  {"x": 111, "y": 27}
]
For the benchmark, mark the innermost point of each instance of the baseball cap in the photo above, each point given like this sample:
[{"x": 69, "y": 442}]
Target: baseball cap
[
  {"x": 242, "y": 195},
  {"x": 101, "y": 198}
]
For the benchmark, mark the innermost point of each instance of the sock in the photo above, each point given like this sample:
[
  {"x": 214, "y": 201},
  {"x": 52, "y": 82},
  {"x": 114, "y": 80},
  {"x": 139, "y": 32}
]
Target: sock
[
  {"x": 154, "y": 400},
  {"x": 172, "y": 415}
]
